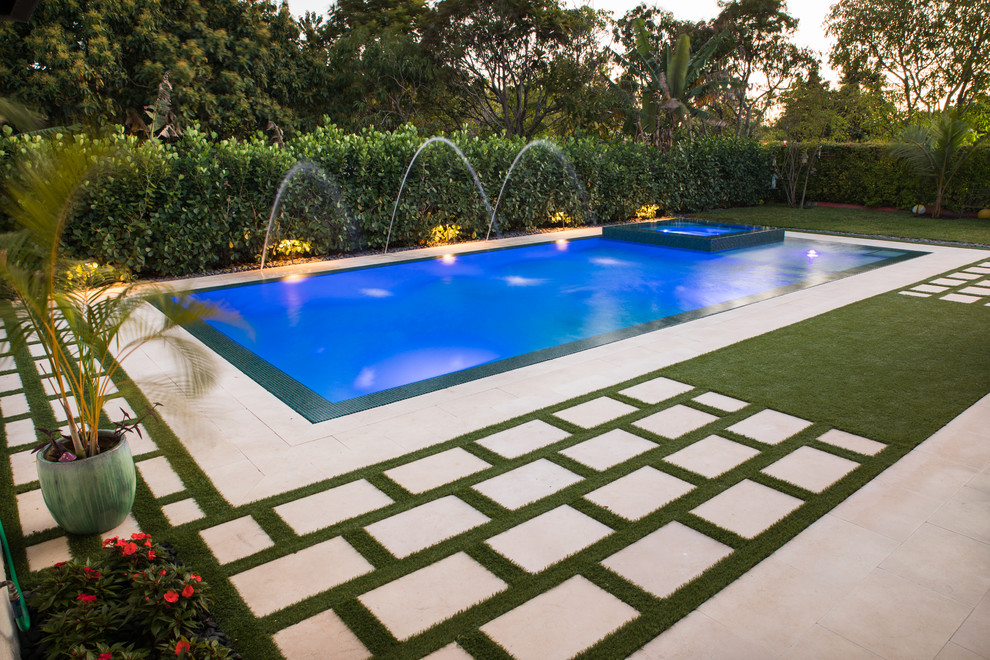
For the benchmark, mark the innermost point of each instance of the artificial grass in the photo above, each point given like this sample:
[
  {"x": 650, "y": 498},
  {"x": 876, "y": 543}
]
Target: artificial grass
[
  {"x": 891, "y": 368},
  {"x": 867, "y": 222}
]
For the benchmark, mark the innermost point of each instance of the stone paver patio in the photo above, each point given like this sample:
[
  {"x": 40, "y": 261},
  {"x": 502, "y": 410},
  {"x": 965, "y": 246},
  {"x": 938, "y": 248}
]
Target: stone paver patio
[{"x": 900, "y": 569}]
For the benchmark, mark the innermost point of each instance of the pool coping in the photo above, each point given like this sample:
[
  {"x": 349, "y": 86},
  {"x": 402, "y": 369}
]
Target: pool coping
[{"x": 275, "y": 450}]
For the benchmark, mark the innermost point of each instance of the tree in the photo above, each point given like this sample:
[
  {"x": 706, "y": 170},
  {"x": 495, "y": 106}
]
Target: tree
[
  {"x": 671, "y": 86},
  {"x": 932, "y": 52},
  {"x": 759, "y": 54},
  {"x": 233, "y": 65},
  {"x": 503, "y": 58},
  {"x": 936, "y": 151}
]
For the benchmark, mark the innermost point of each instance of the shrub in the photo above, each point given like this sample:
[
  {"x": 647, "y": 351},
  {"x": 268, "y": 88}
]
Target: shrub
[{"x": 133, "y": 602}]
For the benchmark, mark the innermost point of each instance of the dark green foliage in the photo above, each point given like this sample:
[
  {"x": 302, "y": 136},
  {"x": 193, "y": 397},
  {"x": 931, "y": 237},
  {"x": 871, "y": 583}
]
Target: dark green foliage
[
  {"x": 199, "y": 204},
  {"x": 867, "y": 174}
]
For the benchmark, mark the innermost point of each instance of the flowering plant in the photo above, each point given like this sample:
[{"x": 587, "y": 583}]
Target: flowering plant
[{"x": 134, "y": 602}]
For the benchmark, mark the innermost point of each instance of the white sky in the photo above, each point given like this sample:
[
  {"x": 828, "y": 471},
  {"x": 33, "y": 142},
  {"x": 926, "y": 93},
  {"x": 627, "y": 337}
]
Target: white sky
[{"x": 810, "y": 32}]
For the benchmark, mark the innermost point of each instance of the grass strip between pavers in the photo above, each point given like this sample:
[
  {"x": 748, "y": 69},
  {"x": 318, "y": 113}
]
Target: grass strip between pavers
[{"x": 890, "y": 368}]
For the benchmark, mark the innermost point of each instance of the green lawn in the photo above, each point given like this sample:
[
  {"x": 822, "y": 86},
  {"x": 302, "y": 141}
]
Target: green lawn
[{"x": 860, "y": 221}]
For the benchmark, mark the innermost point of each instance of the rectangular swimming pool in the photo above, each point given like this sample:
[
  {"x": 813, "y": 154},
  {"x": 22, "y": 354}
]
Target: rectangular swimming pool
[{"x": 347, "y": 340}]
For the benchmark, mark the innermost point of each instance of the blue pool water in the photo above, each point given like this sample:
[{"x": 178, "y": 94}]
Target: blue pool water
[
  {"x": 352, "y": 339},
  {"x": 698, "y": 228}
]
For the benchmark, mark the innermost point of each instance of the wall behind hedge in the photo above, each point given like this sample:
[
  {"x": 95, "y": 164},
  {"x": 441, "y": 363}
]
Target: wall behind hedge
[
  {"x": 199, "y": 204},
  {"x": 866, "y": 174}
]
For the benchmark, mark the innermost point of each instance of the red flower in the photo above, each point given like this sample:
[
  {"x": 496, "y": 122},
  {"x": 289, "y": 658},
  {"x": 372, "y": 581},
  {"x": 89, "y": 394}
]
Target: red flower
[
  {"x": 104, "y": 656},
  {"x": 171, "y": 596},
  {"x": 147, "y": 543},
  {"x": 197, "y": 578},
  {"x": 163, "y": 572},
  {"x": 129, "y": 549},
  {"x": 188, "y": 591},
  {"x": 86, "y": 598},
  {"x": 110, "y": 541},
  {"x": 151, "y": 554},
  {"x": 137, "y": 536},
  {"x": 180, "y": 646},
  {"x": 59, "y": 564}
]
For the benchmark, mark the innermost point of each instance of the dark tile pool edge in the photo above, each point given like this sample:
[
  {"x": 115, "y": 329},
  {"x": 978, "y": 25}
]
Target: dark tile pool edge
[
  {"x": 638, "y": 233},
  {"x": 316, "y": 408}
]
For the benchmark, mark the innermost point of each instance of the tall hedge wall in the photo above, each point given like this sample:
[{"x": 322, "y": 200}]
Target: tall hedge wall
[
  {"x": 866, "y": 174},
  {"x": 198, "y": 204}
]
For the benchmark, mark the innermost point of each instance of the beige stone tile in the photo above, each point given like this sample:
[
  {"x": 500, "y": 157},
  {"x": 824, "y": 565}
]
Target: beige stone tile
[
  {"x": 183, "y": 511},
  {"x": 948, "y": 281},
  {"x": 450, "y": 652},
  {"x": 819, "y": 643},
  {"x": 639, "y": 493},
  {"x": 559, "y": 623},
  {"x": 949, "y": 563},
  {"x": 972, "y": 634},
  {"x": 424, "y": 598},
  {"x": 699, "y": 636},
  {"x": 975, "y": 291},
  {"x": 675, "y": 421},
  {"x": 927, "y": 474},
  {"x": 896, "y": 618},
  {"x": 425, "y": 525},
  {"x": 236, "y": 539},
  {"x": 609, "y": 449},
  {"x": 10, "y": 382},
  {"x": 840, "y": 551},
  {"x": 279, "y": 583},
  {"x": 959, "y": 298},
  {"x": 711, "y": 456},
  {"x": 774, "y": 604},
  {"x": 852, "y": 442},
  {"x": 770, "y": 426},
  {"x": 13, "y": 405},
  {"x": 526, "y": 484},
  {"x": 915, "y": 294},
  {"x": 523, "y": 439},
  {"x": 160, "y": 477},
  {"x": 548, "y": 538},
  {"x": 886, "y": 509},
  {"x": 747, "y": 508},
  {"x": 21, "y": 432},
  {"x": 49, "y": 553},
  {"x": 929, "y": 288},
  {"x": 141, "y": 444},
  {"x": 33, "y": 513},
  {"x": 720, "y": 402},
  {"x": 665, "y": 560},
  {"x": 23, "y": 466},
  {"x": 959, "y": 446},
  {"x": 979, "y": 270},
  {"x": 332, "y": 506},
  {"x": 810, "y": 468},
  {"x": 319, "y": 637},
  {"x": 123, "y": 530},
  {"x": 597, "y": 411},
  {"x": 436, "y": 470},
  {"x": 967, "y": 512},
  {"x": 657, "y": 390},
  {"x": 955, "y": 652},
  {"x": 963, "y": 275}
]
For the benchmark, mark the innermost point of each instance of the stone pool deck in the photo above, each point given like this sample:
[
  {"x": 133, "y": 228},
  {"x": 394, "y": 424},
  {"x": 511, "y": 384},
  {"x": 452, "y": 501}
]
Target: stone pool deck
[{"x": 900, "y": 569}]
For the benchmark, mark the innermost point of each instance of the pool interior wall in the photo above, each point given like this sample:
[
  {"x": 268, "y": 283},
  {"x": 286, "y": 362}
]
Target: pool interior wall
[{"x": 349, "y": 324}]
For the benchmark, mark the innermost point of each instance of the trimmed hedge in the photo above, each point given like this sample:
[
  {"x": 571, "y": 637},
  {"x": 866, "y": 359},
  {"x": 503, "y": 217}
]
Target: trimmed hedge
[
  {"x": 866, "y": 174},
  {"x": 200, "y": 204}
]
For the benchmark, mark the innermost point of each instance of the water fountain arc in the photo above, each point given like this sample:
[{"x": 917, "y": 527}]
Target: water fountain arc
[
  {"x": 564, "y": 160},
  {"x": 301, "y": 166},
  {"x": 471, "y": 170}
]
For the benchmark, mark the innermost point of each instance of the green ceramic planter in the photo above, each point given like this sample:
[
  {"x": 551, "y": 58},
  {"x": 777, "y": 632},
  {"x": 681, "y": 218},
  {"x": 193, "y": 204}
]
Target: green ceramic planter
[{"x": 92, "y": 495}]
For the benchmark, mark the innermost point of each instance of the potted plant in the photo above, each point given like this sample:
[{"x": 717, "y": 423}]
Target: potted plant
[{"x": 86, "y": 326}]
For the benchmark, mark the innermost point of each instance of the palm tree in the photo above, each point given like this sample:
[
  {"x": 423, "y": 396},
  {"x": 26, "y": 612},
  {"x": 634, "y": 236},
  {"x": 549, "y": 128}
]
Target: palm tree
[
  {"x": 937, "y": 151},
  {"x": 672, "y": 92}
]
